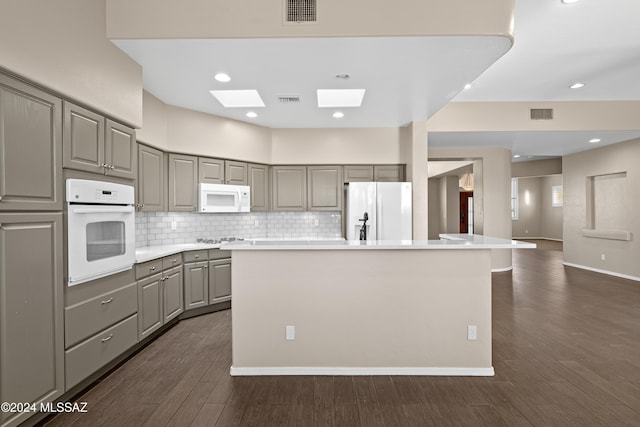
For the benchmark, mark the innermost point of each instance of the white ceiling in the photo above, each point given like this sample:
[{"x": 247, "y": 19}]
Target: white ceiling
[{"x": 593, "y": 41}]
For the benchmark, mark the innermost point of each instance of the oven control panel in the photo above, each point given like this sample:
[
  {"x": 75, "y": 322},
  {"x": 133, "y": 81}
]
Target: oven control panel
[
  {"x": 106, "y": 196},
  {"x": 99, "y": 192}
]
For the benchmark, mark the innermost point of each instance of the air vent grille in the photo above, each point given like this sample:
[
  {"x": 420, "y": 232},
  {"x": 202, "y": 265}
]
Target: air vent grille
[
  {"x": 541, "y": 114},
  {"x": 301, "y": 11},
  {"x": 288, "y": 99}
]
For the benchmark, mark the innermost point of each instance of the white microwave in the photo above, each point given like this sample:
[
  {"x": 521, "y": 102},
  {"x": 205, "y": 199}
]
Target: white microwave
[{"x": 224, "y": 198}]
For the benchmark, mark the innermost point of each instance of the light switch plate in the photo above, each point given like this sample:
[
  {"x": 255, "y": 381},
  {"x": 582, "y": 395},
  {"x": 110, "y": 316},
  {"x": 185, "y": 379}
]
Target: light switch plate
[
  {"x": 472, "y": 332},
  {"x": 290, "y": 332}
]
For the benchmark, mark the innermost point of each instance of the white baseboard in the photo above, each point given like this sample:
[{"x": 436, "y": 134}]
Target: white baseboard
[
  {"x": 313, "y": 370},
  {"x": 598, "y": 270},
  {"x": 500, "y": 270}
]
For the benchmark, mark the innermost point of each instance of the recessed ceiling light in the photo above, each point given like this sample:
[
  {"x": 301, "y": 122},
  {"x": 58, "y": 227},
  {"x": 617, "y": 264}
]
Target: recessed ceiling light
[
  {"x": 467, "y": 86},
  {"x": 222, "y": 77},
  {"x": 252, "y": 114},
  {"x": 331, "y": 98},
  {"x": 576, "y": 85},
  {"x": 516, "y": 156},
  {"x": 569, "y": 1},
  {"x": 238, "y": 98},
  {"x": 338, "y": 115},
  {"x": 595, "y": 140}
]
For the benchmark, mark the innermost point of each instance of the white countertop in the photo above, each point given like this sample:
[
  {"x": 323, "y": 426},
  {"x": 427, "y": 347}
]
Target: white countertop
[
  {"x": 148, "y": 253},
  {"x": 449, "y": 241}
]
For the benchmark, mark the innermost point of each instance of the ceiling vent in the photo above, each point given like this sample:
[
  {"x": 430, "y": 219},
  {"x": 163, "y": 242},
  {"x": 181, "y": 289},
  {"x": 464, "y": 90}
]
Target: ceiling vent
[
  {"x": 300, "y": 11},
  {"x": 289, "y": 99},
  {"x": 541, "y": 113}
]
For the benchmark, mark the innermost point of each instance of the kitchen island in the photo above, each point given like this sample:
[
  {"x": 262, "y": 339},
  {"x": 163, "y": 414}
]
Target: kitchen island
[{"x": 363, "y": 308}]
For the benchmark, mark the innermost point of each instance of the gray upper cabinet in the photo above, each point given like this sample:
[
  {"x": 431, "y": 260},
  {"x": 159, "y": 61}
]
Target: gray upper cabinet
[
  {"x": 324, "y": 188},
  {"x": 358, "y": 173},
  {"x": 31, "y": 309},
  {"x": 83, "y": 139},
  {"x": 30, "y": 148},
  {"x": 235, "y": 172},
  {"x": 121, "y": 151},
  {"x": 183, "y": 182},
  {"x": 289, "y": 188},
  {"x": 94, "y": 144},
  {"x": 259, "y": 182},
  {"x": 210, "y": 171},
  {"x": 152, "y": 179},
  {"x": 218, "y": 171},
  {"x": 388, "y": 173}
]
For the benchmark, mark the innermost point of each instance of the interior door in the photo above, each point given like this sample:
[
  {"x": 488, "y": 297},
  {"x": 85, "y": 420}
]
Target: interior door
[{"x": 465, "y": 202}]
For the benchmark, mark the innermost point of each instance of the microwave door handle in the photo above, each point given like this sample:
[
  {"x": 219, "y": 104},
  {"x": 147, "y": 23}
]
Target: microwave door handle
[
  {"x": 239, "y": 201},
  {"x": 102, "y": 209}
]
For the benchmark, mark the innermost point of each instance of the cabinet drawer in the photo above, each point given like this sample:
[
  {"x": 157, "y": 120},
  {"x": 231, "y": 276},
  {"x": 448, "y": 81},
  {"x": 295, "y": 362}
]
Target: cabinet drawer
[
  {"x": 148, "y": 268},
  {"x": 193, "y": 256},
  {"x": 88, "y": 317},
  {"x": 92, "y": 354},
  {"x": 171, "y": 261},
  {"x": 219, "y": 254}
]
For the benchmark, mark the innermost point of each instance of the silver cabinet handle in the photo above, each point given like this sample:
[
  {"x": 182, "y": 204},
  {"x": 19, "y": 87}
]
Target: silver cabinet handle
[
  {"x": 206, "y": 266},
  {"x": 175, "y": 260},
  {"x": 108, "y": 301},
  {"x": 104, "y": 165},
  {"x": 107, "y": 338},
  {"x": 197, "y": 256},
  {"x": 0, "y": 198},
  {"x": 112, "y": 167},
  {"x": 153, "y": 268}
]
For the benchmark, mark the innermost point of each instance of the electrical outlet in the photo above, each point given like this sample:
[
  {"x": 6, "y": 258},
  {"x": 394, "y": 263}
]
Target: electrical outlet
[
  {"x": 472, "y": 332},
  {"x": 603, "y": 257},
  {"x": 174, "y": 225},
  {"x": 290, "y": 332},
  {"x": 256, "y": 223}
]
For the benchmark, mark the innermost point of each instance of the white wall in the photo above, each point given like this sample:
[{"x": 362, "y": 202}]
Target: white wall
[{"x": 62, "y": 45}]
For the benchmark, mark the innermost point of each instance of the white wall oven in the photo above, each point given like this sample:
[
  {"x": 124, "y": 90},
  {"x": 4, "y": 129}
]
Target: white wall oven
[{"x": 100, "y": 229}]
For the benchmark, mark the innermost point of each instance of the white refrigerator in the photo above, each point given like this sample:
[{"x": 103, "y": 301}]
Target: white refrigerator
[{"x": 387, "y": 206}]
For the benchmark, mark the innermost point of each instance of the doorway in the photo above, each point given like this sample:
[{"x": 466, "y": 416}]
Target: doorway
[{"x": 466, "y": 212}]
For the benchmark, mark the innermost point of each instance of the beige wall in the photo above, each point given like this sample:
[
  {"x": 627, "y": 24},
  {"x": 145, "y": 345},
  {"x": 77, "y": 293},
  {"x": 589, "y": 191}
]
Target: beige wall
[
  {"x": 492, "y": 193},
  {"x": 154, "y": 119},
  {"x": 514, "y": 116},
  {"x": 530, "y": 202},
  {"x": 536, "y": 168},
  {"x": 61, "y": 45},
  {"x": 329, "y": 146},
  {"x": 621, "y": 256},
  {"x": 435, "y": 209},
  {"x": 220, "y": 18},
  {"x": 551, "y": 217},
  {"x": 449, "y": 204},
  {"x": 203, "y": 134}
]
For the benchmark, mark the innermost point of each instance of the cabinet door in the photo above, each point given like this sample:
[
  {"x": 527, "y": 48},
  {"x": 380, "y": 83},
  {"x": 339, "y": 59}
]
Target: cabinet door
[
  {"x": 149, "y": 305},
  {"x": 388, "y": 173},
  {"x": 289, "y": 188},
  {"x": 324, "y": 188},
  {"x": 219, "y": 281},
  {"x": 172, "y": 293},
  {"x": 121, "y": 151},
  {"x": 183, "y": 175},
  {"x": 235, "y": 172},
  {"x": 259, "y": 183},
  {"x": 83, "y": 139},
  {"x": 30, "y": 148},
  {"x": 210, "y": 171},
  {"x": 152, "y": 179},
  {"x": 196, "y": 285},
  {"x": 31, "y": 310},
  {"x": 358, "y": 173}
]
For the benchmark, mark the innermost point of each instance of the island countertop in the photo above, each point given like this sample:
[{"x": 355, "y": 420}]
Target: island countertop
[{"x": 448, "y": 241}]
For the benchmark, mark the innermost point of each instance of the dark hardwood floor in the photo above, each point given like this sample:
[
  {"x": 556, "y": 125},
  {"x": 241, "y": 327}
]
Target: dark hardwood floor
[{"x": 566, "y": 351}]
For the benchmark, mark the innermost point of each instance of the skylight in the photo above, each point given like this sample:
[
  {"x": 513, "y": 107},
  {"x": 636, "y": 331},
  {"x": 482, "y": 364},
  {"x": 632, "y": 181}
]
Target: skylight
[
  {"x": 332, "y": 98},
  {"x": 238, "y": 98}
]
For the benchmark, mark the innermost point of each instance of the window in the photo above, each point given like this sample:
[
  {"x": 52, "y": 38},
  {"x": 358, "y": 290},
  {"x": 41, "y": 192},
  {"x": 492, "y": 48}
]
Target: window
[
  {"x": 514, "y": 198},
  {"x": 556, "y": 196}
]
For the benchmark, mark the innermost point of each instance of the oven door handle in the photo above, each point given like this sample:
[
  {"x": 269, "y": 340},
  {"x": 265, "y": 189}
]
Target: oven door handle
[{"x": 102, "y": 209}]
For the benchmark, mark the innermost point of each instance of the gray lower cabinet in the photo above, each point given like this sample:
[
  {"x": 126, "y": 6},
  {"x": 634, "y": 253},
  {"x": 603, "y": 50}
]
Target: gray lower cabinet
[
  {"x": 289, "y": 188},
  {"x": 160, "y": 296},
  {"x": 152, "y": 179},
  {"x": 324, "y": 188},
  {"x": 219, "y": 280},
  {"x": 30, "y": 148},
  {"x": 183, "y": 183},
  {"x": 258, "y": 176},
  {"x": 207, "y": 278},
  {"x": 31, "y": 310},
  {"x": 92, "y": 143}
]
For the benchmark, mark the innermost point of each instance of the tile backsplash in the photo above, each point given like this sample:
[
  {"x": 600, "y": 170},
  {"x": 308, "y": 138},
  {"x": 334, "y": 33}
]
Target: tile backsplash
[{"x": 155, "y": 228}]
